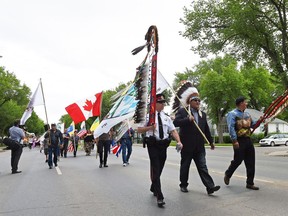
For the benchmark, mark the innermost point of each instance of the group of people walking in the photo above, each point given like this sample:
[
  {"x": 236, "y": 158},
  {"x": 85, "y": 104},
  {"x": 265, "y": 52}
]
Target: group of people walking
[{"x": 193, "y": 132}]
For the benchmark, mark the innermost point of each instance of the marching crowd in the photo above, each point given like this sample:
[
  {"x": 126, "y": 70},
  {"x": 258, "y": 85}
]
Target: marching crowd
[{"x": 193, "y": 132}]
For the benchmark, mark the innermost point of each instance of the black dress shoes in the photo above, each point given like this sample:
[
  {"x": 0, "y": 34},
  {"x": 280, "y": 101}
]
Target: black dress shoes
[
  {"x": 213, "y": 189},
  {"x": 154, "y": 193},
  {"x": 252, "y": 187},
  {"x": 226, "y": 180},
  {"x": 184, "y": 189},
  {"x": 105, "y": 165},
  {"x": 16, "y": 172},
  {"x": 100, "y": 166},
  {"x": 160, "y": 203}
]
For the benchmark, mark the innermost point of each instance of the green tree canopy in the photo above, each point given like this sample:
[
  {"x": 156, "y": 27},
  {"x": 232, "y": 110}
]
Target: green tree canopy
[
  {"x": 222, "y": 81},
  {"x": 14, "y": 98},
  {"x": 248, "y": 29}
]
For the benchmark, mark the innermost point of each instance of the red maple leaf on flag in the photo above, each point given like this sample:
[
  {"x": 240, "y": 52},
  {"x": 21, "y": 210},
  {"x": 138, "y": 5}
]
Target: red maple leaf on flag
[{"x": 88, "y": 105}]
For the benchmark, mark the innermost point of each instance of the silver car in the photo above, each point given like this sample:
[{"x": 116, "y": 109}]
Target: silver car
[{"x": 275, "y": 139}]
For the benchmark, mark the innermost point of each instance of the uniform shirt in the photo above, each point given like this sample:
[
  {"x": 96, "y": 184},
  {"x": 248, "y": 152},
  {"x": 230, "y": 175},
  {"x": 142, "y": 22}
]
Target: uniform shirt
[
  {"x": 168, "y": 126},
  {"x": 16, "y": 133}
]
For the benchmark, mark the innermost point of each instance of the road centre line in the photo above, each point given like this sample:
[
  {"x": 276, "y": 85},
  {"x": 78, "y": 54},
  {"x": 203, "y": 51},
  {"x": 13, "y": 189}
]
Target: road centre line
[
  {"x": 218, "y": 173},
  {"x": 58, "y": 170}
]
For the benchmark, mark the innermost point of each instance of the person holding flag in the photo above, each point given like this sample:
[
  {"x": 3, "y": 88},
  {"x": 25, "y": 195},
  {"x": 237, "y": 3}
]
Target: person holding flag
[
  {"x": 158, "y": 139},
  {"x": 239, "y": 124},
  {"x": 103, "y": 147},
  {"x": 54, "y": 137},
  {"x": 66, "y": 138}
]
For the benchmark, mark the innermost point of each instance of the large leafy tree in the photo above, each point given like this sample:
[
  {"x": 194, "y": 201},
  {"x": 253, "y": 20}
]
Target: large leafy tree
[
  {"x": 11, "y": 89},
  {"x": 221, "y": 80},
  {"x": 248, "y": 29},
  {"x": 14, "y": 98}
]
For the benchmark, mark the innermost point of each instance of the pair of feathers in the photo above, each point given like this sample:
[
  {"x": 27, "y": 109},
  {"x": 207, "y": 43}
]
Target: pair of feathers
[{"x": 151, "y": 38}]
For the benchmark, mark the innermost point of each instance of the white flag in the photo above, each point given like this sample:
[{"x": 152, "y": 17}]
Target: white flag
[
  {"x": 161, "y": 84},
  {"x": 60, "y": 126},
  {"x": 36, "y": 99}
]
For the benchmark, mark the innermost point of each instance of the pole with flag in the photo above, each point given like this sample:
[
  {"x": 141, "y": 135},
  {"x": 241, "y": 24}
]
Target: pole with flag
[
  {"x": 36, "y": 99},
  {"x": 95, "y": 124}
]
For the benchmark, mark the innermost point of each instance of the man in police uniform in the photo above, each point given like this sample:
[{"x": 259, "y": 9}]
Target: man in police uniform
[{"x": 158, "y": 139}]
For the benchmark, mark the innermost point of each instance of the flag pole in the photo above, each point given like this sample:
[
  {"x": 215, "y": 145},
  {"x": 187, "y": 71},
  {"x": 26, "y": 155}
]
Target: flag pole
[
  {"x": 100, "y": 118},
  {"x": 44, "y": 101}
]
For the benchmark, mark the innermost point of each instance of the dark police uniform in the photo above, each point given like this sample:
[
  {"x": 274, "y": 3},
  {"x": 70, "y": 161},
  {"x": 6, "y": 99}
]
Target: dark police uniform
[{"x": 157, "y": 150}]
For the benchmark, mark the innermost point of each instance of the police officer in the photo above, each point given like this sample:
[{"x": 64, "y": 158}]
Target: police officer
[{"x": 158, "y": 139}]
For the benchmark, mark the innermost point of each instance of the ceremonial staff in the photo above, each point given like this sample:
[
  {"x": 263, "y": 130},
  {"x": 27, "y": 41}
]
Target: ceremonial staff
[{"x": 151, "y": 38}]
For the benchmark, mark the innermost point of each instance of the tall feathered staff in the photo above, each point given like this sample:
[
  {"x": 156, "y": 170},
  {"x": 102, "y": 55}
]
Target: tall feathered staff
[
  {"x": 275, "y": 108},
  {"x": 145, "y": 82}
]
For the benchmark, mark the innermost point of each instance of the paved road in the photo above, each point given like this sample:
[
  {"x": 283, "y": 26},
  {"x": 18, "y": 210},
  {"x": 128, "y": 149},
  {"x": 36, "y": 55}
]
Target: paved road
[{"x": 79, "y": 187}]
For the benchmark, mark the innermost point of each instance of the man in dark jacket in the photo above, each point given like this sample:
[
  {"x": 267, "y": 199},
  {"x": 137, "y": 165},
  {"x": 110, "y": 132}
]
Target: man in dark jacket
[
  {"x": 193, "y": 144},
  {"x": 55, "y": 137}
]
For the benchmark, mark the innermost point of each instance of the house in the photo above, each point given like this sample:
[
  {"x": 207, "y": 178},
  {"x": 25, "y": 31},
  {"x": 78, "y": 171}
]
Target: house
[{"x": 275, "y": 126}]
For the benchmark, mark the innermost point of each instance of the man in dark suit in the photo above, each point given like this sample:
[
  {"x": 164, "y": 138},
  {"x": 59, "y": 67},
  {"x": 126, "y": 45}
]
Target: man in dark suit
[{"x": 193, "y": 143}]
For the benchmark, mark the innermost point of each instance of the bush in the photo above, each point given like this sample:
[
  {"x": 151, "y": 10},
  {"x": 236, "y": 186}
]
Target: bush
[{"x": 255, "y": 138}]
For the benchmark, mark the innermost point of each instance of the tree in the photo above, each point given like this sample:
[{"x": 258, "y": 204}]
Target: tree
[
  {"x": 253, "y": 31},
  {"x": 14, "y": 98},
  {"x": 220, "y": 85},
  {"x": 11, "y": 89},
  {"x": 221, "y": 82},
  {"x": 260, "y": 86}
]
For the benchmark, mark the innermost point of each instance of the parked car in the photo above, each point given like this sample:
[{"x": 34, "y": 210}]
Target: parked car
[{"x": 275, "y": 139}]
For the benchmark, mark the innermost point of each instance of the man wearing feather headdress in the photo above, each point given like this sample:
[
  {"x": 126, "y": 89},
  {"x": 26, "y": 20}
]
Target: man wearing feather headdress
[
  {"x": 194, "y": 130},
  {"x": 239, "y": 126}
]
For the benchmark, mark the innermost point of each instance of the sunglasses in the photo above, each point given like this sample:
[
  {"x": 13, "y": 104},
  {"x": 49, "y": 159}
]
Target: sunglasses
[
  {"x": 161, "y": 102},
  {"x": 197, "y": 100}
]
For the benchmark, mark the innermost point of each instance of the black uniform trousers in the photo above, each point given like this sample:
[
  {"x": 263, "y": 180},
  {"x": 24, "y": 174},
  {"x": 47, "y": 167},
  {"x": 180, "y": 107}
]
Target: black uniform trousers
[
  {"x": 246, "y": 152},
  {"x": 15, "y": 157},
  {"x": 103, "y": 147},
  {"x": 157, "y": 154}
]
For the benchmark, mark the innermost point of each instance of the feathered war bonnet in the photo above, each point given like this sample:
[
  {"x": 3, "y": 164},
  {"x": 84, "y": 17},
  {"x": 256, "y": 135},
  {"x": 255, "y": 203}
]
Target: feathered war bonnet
[{"x": 183, "y": 95}]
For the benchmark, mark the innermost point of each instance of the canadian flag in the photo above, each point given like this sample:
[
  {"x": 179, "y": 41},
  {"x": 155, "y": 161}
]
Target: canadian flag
[{"x": 82, "y": 110}]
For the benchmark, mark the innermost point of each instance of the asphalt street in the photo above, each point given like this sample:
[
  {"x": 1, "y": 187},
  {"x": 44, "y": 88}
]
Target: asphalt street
[{"x": 79, "y": 187}]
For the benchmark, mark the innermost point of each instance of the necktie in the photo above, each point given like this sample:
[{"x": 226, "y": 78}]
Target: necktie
[{"x": 161, "y": 134}]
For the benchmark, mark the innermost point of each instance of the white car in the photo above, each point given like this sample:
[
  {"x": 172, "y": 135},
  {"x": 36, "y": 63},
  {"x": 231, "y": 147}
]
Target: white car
[{"x": 275, "y": 139}]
